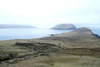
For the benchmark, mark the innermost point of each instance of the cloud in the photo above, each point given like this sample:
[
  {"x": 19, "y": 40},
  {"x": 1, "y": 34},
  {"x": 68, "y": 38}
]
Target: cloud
[
  {"x": 49, "y": 12},
  {"x": 38, "y": 7}
]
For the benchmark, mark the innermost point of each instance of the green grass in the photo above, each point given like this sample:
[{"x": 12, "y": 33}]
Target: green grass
[{"x": 74, "y": 53}]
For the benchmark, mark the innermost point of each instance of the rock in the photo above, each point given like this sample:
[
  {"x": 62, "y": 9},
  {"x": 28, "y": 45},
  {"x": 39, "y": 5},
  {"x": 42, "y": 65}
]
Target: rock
[{"x": 64, "y": 27}]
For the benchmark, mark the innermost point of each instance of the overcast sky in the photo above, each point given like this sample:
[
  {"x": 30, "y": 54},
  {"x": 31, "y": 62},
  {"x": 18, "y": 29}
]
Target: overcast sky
[{"x": 46, "y": 13}]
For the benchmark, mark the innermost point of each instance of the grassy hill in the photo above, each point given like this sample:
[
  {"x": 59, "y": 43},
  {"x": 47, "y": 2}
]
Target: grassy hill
[{"x": 79, "y": 48}]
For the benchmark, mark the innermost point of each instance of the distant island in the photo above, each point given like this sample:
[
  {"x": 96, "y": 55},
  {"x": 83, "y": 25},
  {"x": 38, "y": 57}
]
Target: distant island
[
  {"x": 15, "y": 26},
  {"x": 64, "y": 27}
]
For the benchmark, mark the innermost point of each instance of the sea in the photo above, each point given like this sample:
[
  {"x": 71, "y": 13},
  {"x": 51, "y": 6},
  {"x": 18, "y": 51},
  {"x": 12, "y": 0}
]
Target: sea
[{"x": 29, "y": 33}]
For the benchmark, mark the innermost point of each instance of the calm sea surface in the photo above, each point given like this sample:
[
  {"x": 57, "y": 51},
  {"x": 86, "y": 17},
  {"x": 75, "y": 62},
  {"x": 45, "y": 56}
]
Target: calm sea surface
[{"x": 28, "y": 33}]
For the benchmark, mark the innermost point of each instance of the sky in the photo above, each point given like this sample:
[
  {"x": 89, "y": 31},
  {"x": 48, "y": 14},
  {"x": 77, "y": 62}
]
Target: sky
[{"x": 47, "y": 13}]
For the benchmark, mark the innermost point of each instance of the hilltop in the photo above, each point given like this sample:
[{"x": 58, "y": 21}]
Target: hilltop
[
  {"x": 64, "y": 27},
  {"x": 80, "y": 32}
]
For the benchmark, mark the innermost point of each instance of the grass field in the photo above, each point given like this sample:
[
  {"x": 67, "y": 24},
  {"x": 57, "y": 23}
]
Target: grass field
[{"x": 65, "y": 50}]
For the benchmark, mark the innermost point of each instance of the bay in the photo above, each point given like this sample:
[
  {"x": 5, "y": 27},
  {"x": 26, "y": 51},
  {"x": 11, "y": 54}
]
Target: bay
[{"x": 28, "y": 33}]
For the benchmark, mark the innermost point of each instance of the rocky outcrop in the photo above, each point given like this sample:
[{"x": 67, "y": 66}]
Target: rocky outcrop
[{"x": 64, "y": 27}]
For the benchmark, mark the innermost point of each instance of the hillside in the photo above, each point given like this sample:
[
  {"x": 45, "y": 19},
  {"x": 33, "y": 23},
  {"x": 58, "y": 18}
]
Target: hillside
[
  {"x": 78, "y": 48},
  {"x": 74, "y": 39},
  {"x": 64, "y": 27},
  {"x": 80, "y": 32},
  {"x": 15, "y": 26}
]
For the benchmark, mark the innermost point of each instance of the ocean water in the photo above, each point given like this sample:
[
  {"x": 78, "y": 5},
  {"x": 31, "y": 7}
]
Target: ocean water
[
  {"x": 95, "y": 30},
  {"x": 28, "y": 33}
]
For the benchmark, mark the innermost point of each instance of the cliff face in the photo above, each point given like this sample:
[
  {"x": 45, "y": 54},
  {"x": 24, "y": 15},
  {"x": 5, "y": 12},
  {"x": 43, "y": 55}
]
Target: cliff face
[{"x": 64, "y": 27}]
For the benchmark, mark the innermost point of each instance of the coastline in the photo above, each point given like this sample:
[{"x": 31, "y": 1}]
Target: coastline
[{"x": 61, "y": 49}]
